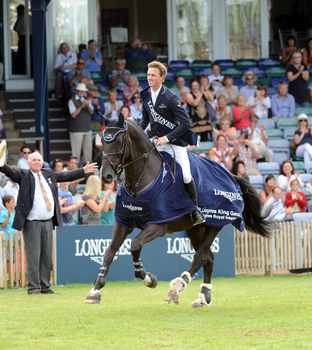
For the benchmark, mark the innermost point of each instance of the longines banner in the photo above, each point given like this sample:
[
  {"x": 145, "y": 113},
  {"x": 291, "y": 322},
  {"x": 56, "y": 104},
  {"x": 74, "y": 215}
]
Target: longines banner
[{"x": 80, "y": 251}]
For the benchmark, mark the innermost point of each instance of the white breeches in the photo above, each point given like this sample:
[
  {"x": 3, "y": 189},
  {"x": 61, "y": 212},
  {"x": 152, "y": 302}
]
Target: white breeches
[{"x": 304, "y": 151}]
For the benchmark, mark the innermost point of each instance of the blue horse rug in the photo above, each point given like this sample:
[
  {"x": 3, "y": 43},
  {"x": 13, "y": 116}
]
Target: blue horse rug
[{"x": 219, "y": 197}]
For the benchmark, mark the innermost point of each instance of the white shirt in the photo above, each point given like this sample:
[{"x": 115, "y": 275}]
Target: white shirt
[
  {"x": 68, "y": 60},
  {"x": 22, "y": 163},
  {"x": 260, "y": 107},
  {"x": 285, "y": 185},
  {"x": 135, "y": 111},
  {"x": 216, "y": 86},
  {"x": 10, "y": 189},
  {"x": 39, "y": 210},
  {"x": 277, "y": 209},
  {"x": 256, "y": 137},
  {"x": 72, "y": 106},
  {"x": 155, "y": 94}
]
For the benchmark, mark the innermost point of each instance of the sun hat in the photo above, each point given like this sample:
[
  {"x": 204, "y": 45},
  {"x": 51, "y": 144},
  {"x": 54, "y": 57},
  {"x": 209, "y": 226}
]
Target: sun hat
[
  {"x": 303, "y": 116},
  {"x": 249, "y": 73},
  {"x": 3, "y": 146},
  {"x": 81, "y": 87},
  {"x": 92, "y": 87}
]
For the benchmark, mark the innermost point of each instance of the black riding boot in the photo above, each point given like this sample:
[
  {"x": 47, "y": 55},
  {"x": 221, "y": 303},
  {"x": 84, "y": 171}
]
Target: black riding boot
[{"x": 197, "y": 216}]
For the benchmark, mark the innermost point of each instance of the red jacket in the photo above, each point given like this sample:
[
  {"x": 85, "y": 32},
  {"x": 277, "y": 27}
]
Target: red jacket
[{"x": 302, "y": 202}]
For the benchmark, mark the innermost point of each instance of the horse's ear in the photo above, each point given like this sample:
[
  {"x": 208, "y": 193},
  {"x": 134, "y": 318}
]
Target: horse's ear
[
  {"x": 105, "y": 120},
  {"x": 121, "y": 119}
]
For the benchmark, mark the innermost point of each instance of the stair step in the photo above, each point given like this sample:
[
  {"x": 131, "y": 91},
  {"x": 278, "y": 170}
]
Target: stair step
[
  {"x": 26, "y": 113},
  {"x": 30, "y": 103},
  {"x": 19, "y": 94},
  {"x": 54, "y": 123},
  {"x": 55, "y": 145}
]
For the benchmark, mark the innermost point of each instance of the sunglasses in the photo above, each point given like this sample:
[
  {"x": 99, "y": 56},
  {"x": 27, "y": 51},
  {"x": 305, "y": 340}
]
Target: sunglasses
[
  {"x": 26, "y": 152},
  {"x": 80, "y": 63},
  {"x": 302, "y": 120},
  {"x": 249, "y": 78},
  {"x": 136, "y": 97}
]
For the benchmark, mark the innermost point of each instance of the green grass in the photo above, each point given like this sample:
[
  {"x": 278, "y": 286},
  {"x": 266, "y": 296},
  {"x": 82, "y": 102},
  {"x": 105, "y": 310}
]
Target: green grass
[{"x": 246, "y": 313}]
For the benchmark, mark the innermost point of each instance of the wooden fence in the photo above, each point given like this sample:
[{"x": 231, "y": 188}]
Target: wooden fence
[{"x": 289, "y": 249}]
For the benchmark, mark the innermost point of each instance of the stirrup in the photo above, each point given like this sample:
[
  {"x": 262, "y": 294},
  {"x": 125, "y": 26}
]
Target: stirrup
[{"x": 197, "y": 217}]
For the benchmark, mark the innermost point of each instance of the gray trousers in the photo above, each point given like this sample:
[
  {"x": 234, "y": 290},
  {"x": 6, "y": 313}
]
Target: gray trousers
[
  {"x": 266, "y": 153},
  {"x": 81, "y": 142},
  {"x": 38, "y": 247}
]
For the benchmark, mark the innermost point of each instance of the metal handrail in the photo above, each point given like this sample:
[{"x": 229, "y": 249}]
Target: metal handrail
[{"x": 40, "y": 139}]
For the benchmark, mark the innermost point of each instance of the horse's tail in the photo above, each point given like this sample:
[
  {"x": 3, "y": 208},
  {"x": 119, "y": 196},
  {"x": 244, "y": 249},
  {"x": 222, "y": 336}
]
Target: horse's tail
[{"x": 253, "y": 214}]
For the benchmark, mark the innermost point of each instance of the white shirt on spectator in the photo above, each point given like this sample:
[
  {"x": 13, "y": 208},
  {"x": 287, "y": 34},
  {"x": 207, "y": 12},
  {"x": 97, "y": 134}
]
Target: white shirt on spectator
[
  {"x": 260, "y": 107},
  {"x": 68, "y": 60},
  {"x": 285, "y": 185},
  {"x": 277, "y": 209},
  {"x": 22, "y": 163},
  {"x": 10, "y": 189},
  {"x": 256, "y": 137},
  {"x": 216, "y": 86},
  {"x": 72, "y": 106}
]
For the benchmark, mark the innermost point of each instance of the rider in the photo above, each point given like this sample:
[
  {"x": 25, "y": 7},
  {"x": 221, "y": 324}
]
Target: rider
[{"x": 170, "y": 123}]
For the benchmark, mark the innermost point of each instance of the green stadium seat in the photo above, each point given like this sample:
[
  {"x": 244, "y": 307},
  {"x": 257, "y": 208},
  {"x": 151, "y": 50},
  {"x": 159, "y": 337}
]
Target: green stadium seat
[
  {"x": 299, "y": 167},
  {"x": 283, "y": 123},
  {"x": 199, "y": 64},
  {"x": 169, "y": 83},
  {"x": 140, "y": 74},
  {"x": 246, "y": 62},
  {"x": 104, "y": 95},
  {"x": 98, "y": 77},
  {"x": 205, "y": 147},
  {"x": 265, "y": 81},
  {"x": 275, "y": 72},
  {"x": 305, "y": 110},
  {"x": 294, "y": 157},
  {"x": 235, "y": 72},
  {"x": 274, "y": 134},
  {"x": 187, "y": 73},
  {"x": 309, "y": 81}
]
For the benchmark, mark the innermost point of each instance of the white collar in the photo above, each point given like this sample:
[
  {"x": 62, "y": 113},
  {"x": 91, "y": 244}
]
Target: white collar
[
  {"x": 81, "y": 99},
  {"x": 156, "y": 93}
]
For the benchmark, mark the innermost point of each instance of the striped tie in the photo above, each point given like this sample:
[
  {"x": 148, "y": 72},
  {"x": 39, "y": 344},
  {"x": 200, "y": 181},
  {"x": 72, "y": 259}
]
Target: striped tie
[{"x": 45, "y": 194}]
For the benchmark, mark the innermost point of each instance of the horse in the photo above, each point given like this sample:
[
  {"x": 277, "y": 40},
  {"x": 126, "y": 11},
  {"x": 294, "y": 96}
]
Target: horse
[{"x": 128, "y": 148}]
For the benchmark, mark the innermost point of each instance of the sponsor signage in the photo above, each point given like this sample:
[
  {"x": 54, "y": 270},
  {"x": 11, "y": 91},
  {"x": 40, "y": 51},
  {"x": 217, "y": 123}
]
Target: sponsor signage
[{"x": 80, "y": 251}]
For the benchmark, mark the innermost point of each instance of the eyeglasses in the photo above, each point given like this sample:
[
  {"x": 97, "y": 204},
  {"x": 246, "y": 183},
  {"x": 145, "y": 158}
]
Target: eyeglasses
[
  {"x": 249, "y": 78},
  {"x": 26, "y": 152},
  {"x": 80, "y": 63},
  {"x": 136, "y": 97},
  {"x": 302, "y": 120}
]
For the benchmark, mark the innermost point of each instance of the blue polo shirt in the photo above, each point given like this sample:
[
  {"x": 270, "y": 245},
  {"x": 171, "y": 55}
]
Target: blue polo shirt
[
  {"x": 3, "y": 215},
  {"x": 283, "y": 108},
  {"x": 92, "y": 66}
]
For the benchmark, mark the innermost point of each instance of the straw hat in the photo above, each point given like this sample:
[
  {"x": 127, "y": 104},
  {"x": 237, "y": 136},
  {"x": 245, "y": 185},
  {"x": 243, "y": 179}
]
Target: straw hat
[
  {"x": 3, "y": 146},
  {"x": 81, "y": 87},
  {"x": 249, "y": 73}
]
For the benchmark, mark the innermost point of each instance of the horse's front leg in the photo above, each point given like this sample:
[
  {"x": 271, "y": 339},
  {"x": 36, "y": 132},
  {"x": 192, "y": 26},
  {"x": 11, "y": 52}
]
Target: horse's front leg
[
  {"x": 119, "y": 234},
  {"x": 148, "y": 234}
]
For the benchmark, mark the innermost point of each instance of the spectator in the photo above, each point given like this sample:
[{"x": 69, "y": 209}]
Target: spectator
[
  {"x": 93, "y": 59},
  {"x": 119, "y": 77},
  {"x": 260, "y": 102},
  {"x": 222, "y": 110},
  {"x": 229, "y": 133},
  {"x": 204, "y": 83},
  {"x": 76, "y": 75},
  {"x": 131, "y": 90},
  {"x": 98, "y": 148},
  {"x": 289, "y": 50},
  {"x": 2, "y": 131},
  {"x": 221, "y": 154},
  {"x": 58, "y": 165},
  {"x": 81, "y": 48},
  {"x": 80, "y": 132},
  {"x": 247, "y": 152},
  {"x": 93, "y": 204},
  {"x": 180, "y": 84},
  {"x": 258, "y": 138},
  {"x": 229, "y": 91},
  {"x": 298, "y": 74},
  {"x": 65, "y": 61},
  {"x": 239, "y": 170},
  {"x": 303, "y": 139},
  {"x": 197, "y": 102},
  {"x": 112, "y": 107},
  {"x": 275, "y": 204},
  {"x": 249, "y": 89},
  {"x": 283, "y": 104},
  {"x": 202, "y": 154},
  {"x": 309, "y": 187},
  {"x": 96, "y": 101},
  {"x": 136, "y": 107},
  {"x": 241, "y": 113},
  {"x": 107, "y": 214},
  {"x": 287, "y": 174},
  {"x": 184, "y": 91},
  {"x": 11, "y": 188},
  {"x": 139, "y": 51},
  {"x": 125, "y": 110},
  {"x": 22, "y": 162},
  {"x": 72, "y": 164},
  {"x": 296, "y": 199},
  {"x": 215, "y": 79},
  {"x": 266, "y": 193},
  {"x": 307, "y": 54}
]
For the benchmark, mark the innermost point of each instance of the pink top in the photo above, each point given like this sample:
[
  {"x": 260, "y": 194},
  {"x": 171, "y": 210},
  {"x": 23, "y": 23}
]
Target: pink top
[
  {"x": 127, "y": 91},
  {"x": 243, "y": 123}
]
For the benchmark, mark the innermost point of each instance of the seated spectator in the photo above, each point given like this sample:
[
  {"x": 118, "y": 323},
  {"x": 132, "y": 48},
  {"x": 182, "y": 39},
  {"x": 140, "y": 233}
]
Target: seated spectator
[
  {"x": 184, "y": 91},
  {"x": 11, "y": 188},
  {"x": 180, "y": 84},
  {"x": 93, "y": 59},
  {"x": 204, "y": 83},
  {"x": 72, "y": 164},
  {"x": 81, "y": 48},
  {"x": 97, "y": 102},
  {"x": 91, "y": 212},
  {"x": 139, "y": 51},
  {"x": 76, "y": 75},
  {"x": 266, "y": 193},
  {"x": 309, "y": 187},
  {"x": 296, "y": 199},
  {"x": 68, "y": 206},
  {"x": 258, "y": 138},
  {"x": 119, "y": 77},
  {"x": 303, "y": 139},
  {"x": 215, "y": 79},
  {"x": 22, "y": 162},
  {"x": 132, "y": 89},
  {"x": 58, "y": 165},
  {"x": 221, "y": 154},
  {"x": 260, "y": 102},
  {"x": 65, "y": 61},
  {"x": 289, "y": 50},
  {"x": 136, "y": 107},
  {"x": 107, "y": 214},
  {"x": 239, "y": 170},
  {"x": 202, "y": 154},
  {"x": 287, "y": 174},
  {"x": 245, "y": 151},
  {"x": 275, "y": 205},
  {"x": 125, "y": 110},
  {"x": 249, "y": 89},
  {"x": 229, "y": 91},
  {"x": 307, "y": 54},
  {"x": 112, "y": 107},
  {"x": 222, "y": 110},
  {"x": 229, "y": 133},
  {"x": 200, "y": 119},
  {"x": 283, "y": 104},
  {"x": 241, "y": 113},
  {"x": 298, "y": 74},
  {"x": 79, "y": 125}
]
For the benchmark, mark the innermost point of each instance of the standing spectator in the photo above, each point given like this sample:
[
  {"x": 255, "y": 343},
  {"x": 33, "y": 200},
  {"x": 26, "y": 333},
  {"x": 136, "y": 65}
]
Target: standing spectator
[
  {"x": 93, "y": 59},
  {"x": 303, "y": 139},
  {"x": 222, "y": 110},
  {"x": 245, "y": 151},
  {"x": 266, "y": 193},
  {"x": 180, "y": 84},
  {"x": 37, "y": 211},
  {"x": 289, "y": 50},
  {"x": 298, "y": 74},
  {"x": 296, "y": 199},
  {"x": 307, "y": 54},
  {"x": 136, "y": 107},
  {"x": 22, "y": 162},
  {"x": 119, "y": 77},
  {"x": 221, "y": 154},
  {"x": 96, "y": 101},
  {"x": 283, "y": 104},
  {"x": 258, "y": 138},
  {"x": 76, "y": 75},
  {"x": 287, "y": 174},
  {"x": 131, "y": 90},
  {"x": 80, "y": 132},
  {"x": 260, "y": 102},
  {"x": 229, "y": 91},
  {"x": 65, "y": 61},
  {"x": 139, "y": 51},
  {"x": 58, "y": 165},
  {"x": 229, "y": 133},
  {"x": 239, "y": 170},
  {"x": 107, "y": 216},
  {"x": 112, "y": 107},
  {"x": 215, "y": 79},
  {"x": 249, "y": 89},
  {"x": 277, "y": 210},
  {"x": 241, "y": 113},
  {"x": 11, "y": 188}
]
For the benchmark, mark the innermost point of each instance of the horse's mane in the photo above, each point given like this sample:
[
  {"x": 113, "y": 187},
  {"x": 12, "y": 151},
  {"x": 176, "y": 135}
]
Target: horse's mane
[{"x": 139, "y": 130}]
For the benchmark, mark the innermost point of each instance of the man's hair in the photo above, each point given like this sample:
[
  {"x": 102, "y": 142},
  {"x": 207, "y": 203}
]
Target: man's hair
[
  {"x": 282, "y": 83},
  {"x": 73, "y": 157},
  {"x": 24, "y": 148},
  {"x": 215, "y": 64},
  {"x": 179, "y": 76},
  {"x": 253, "y": 116},
  {"x": 158, "y": 65},
  {"x": 121, "y": 60},
  {"x": 112, "y": 91},
  {"x": 274, "y": 188},
  {"x": 6, "y": 199},
  {"x": 91, "y": 42}
]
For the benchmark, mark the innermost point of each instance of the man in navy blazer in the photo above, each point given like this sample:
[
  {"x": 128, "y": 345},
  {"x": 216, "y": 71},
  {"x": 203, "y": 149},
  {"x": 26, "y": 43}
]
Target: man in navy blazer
[{"x": 37, "y": 212}]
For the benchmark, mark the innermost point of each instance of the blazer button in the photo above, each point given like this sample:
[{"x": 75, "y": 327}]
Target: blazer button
[
  {"x": 22, "y": 205},
  {"x": 19, "y": 212}
]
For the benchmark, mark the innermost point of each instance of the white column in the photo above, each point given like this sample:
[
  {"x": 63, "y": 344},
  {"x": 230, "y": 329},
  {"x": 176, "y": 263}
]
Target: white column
[
  {"x": 219, "y": 30},
  {"x": 264, "y": 28},
  {"x": 171, "y": 30}
]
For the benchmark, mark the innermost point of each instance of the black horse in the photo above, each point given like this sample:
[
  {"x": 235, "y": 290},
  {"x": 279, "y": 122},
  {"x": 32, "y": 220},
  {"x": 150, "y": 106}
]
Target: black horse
[{"x": 130, "y": 149}]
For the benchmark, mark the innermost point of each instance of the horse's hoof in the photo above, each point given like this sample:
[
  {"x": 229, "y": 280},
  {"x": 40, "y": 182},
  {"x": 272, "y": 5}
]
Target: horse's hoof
[
  {"x": 200, "y": 302},
  {"x": 172, "y": 297},
  {"x": 197, "y": 303},
  {"x": 93, "y": 298},
  {"x": 153, "y": 282}
]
